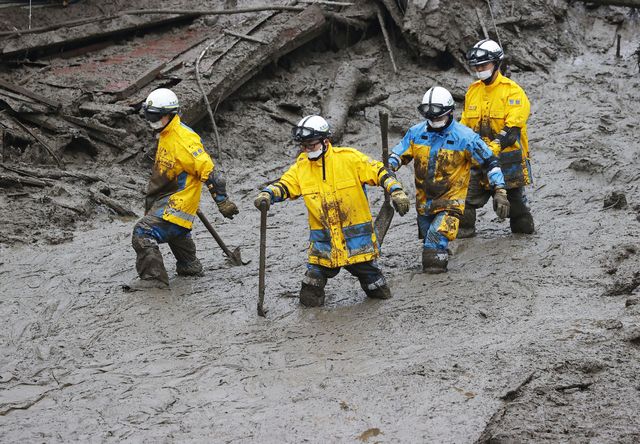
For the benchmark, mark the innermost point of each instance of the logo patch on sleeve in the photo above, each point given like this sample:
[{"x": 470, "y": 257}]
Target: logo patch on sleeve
[
  {"x": 514, "y": 101},
  {"x": 197, "y": 152}
]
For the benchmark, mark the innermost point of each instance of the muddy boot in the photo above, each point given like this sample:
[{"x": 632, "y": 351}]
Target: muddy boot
[
  {"x": 144, "y": 285},
  {"x": 434, "y": 261},
  {"x": 383, "y": 292},
  {"x": 193, "y": 268},
  {"x": 467, "y": 223},
  {"x": 522, "y": 224},
  {"x": 311, "y": 296}
]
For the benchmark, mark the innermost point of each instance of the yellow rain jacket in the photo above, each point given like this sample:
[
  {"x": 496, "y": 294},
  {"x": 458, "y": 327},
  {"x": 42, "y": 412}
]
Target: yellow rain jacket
[
  {"x": 488, "y": 109},
  {"x": 180, "y": 167},
  {"x": 339, "y": 215}
]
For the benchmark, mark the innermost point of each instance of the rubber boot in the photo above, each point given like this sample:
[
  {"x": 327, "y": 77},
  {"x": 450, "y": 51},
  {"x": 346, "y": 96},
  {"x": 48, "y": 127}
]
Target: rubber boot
[
  {"x": 434, "y": 261},
  {"x": 467, "y": 223},
  {"x": 383, "y": 292},
  {"x": 144, "y": 285},
  {"x": 522, "y": 224},
  {"x": 193, "y": 268},
  {"x": 311, "y": 295}
]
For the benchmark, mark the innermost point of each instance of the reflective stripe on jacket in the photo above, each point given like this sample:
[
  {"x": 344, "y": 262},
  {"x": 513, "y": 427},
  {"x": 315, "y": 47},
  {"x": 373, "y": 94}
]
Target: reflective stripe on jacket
[
  {"x": 442, "y": 160},
  {"x": 490, "y": 108},
  {"x": 339, "y": 215},
  {"x": 180, "y": 167}
]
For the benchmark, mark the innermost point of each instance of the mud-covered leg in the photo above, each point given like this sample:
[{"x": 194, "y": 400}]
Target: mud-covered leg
[
  {"x": 147, "y": 234},
  {"x": 371, "y": 279},
  {"x": 184, "y": 249},
  {"x": 477, "y": 197},
  {"x": 312, "y": 291},
  {"x": 520, "y": 217},
  {"x": 439, "y": 229}
]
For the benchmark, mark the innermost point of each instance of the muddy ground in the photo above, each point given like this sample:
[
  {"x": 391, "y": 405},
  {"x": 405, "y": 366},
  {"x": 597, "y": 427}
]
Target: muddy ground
[{"x": 526, "y": 338}]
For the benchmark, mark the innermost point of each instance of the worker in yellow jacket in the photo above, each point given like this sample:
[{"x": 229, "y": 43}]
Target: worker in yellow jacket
[
  {"x": 332, "y": 182},
  {"x": 497, "y": 109},
  {"x": 173, "y": 194}
]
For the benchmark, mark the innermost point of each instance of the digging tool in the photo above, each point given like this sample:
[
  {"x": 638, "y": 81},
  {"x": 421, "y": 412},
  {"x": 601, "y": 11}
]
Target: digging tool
[
  {"x": 263, "y": 258},
  {"x": 234, "y": 255},
  {"x": 383, "y": 221}
]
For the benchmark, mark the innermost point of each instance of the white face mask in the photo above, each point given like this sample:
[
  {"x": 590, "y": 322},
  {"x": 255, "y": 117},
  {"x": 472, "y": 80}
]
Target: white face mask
[
  {"x": 156, "y": 125},
  {"x": 314, "y": 154},
  {"x": 437, "y": 124},
  {"x": 484, "y": 75}
]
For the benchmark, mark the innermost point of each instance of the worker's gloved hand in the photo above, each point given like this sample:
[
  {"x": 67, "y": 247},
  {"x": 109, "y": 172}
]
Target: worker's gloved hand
[
  {"x": 501, "y": 203},
  {"x": 400, "y": 202},
  {"x": 263, "y": 196},
  {"x": 227, "y": 208}
]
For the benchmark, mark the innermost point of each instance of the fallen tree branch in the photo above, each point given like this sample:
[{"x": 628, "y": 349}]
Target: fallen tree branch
[
  {"x": 368, "y": 102},
  {"x": 244, "y": 37},
  {"x": 336, "y": 107},
  {"x": 101, "y": 199},
  {"x": 68, "y": 24},
  {"x": 386, "y": 39},
  {"x": 42, "y": 142},
  {"x": 9, "y": 181}
]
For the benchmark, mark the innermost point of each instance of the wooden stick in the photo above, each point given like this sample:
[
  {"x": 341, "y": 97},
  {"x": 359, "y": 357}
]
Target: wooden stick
[
  {"x": 244, "y": 36},
  {"x": 68, "y": 24},
  {"x": 484, "y": 28},
  {"x": 25, "y": 92},
  {"x": 326, "y": 2},
  {"x": 386, "y": 39},
  {"x": 213, "y": 11},
  {"x": 42, "y": 142},
  {"x": 629, "y": 3}
]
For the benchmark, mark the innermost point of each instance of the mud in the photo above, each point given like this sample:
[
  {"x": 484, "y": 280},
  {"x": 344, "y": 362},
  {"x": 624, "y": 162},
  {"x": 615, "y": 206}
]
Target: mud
[{"x": 526, "y": 338}]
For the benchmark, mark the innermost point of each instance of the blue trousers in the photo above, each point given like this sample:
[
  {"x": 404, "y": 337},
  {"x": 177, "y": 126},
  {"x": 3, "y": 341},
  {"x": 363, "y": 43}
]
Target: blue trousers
[
  {"x": 436, "y": 229},
  {"x": 368, "y": 273}
]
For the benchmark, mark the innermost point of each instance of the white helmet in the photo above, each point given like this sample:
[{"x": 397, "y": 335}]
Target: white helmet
[
  {"x": 485, "y": 51},
  {"x": 436, "y": 102},
  {"x": 311, "y": 128},
  {"x": 160, "y": 102}
]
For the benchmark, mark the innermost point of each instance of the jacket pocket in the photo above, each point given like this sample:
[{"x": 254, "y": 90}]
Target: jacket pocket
[
  {"x": 358, "y": 239},
  {"x": 320, "y": 243},
  {"x": 347, "y": 183}
]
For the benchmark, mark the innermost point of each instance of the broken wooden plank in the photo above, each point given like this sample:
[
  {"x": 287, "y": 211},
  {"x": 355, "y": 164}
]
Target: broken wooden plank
[
  {"x": 46, "y": 42},
  {"x": 336, "y": 106},
  {"x": 284, "y": 32},
  {"x": 141, "y": 81},
  {"x": 25, "y": 92},
  {"x": 66, "y": 25},
  {"x": 7, "y": 180},
  {"x": 387, "y": 41},
  {"x": 213, "y": 11},
  {"x": 96, "y": 126}
]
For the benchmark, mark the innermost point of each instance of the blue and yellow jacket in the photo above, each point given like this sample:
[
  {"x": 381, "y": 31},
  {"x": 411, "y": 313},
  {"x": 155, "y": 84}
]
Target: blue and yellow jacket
[
  {"x": 339, "y": 215},
  {"x": 488, "y": 110},
  {"x": 180, "y": 167},
  {"x": 442, "y": 161}
]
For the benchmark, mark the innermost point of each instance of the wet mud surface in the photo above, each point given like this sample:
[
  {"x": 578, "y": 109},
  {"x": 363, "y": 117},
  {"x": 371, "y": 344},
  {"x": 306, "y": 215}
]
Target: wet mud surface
[{"x": 526, "y": 338}]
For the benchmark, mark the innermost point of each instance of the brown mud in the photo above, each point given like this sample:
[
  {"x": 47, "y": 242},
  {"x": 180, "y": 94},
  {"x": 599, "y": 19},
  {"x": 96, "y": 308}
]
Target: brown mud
[{"x": 526, "y": 338}]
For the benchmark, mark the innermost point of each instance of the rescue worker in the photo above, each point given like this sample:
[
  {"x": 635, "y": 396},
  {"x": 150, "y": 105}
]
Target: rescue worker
[
  {"x": 331, "y": 181},
  {"x": 173, "y": 194},
  {"x": 442, "y": 150},
  {"x": 497, "y": 108}
]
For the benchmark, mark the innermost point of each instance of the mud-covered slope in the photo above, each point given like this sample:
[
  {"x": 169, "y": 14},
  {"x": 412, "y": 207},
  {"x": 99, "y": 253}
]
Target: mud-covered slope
[{"x": 526, "y": 338}]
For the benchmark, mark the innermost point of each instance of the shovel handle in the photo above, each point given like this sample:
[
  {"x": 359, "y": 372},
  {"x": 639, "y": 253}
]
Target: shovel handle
[
  {"x": 213, "y": 232},
  {"x": 384, "y": 134},
  {"x": 263, "y": 258}
]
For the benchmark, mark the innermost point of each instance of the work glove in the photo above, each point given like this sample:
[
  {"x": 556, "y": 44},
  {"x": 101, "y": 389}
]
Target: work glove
[
  {"x": 227, "y": 208},
  {"x": 501, "y": 203},
  {"x": 400, "y": 202},
  {"x": 263, "y": 196}
]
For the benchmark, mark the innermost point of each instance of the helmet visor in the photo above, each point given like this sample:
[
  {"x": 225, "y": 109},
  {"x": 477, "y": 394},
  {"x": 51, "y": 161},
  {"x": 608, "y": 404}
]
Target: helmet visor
[
  {"x": 303, "y": 133},
  {"x": 433, "y": 110}
]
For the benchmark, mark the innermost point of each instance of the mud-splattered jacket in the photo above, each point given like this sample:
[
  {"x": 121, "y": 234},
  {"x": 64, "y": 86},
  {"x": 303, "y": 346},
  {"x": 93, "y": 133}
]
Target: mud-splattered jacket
[
  {"x": 442, "y": 161},
  {"x": 491, "y": 109},
  {"x": 339, "y": 215},
  {"x": 180, "y": 167}
]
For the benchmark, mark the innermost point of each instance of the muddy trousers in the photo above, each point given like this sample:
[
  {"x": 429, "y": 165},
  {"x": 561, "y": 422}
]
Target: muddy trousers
[
  {"x": 520, "y": 218},
  {"x": 151, "y": 231},
  {"x": 368, "y": 273},
  {"x": 437, "y": 230}
]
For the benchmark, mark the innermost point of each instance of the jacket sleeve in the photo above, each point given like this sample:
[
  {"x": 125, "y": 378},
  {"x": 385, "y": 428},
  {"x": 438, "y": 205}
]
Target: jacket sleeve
[
  {"x": 464, "y": 119},
  {"x": 373, "y": 172},
  {"x": 517, "y": 109},
  {"x": 482, "y": 154},
  {"x": 196, "y": 161},
  {"x": 287, "y": 187},
  {"x": 402, "y": 153}
]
